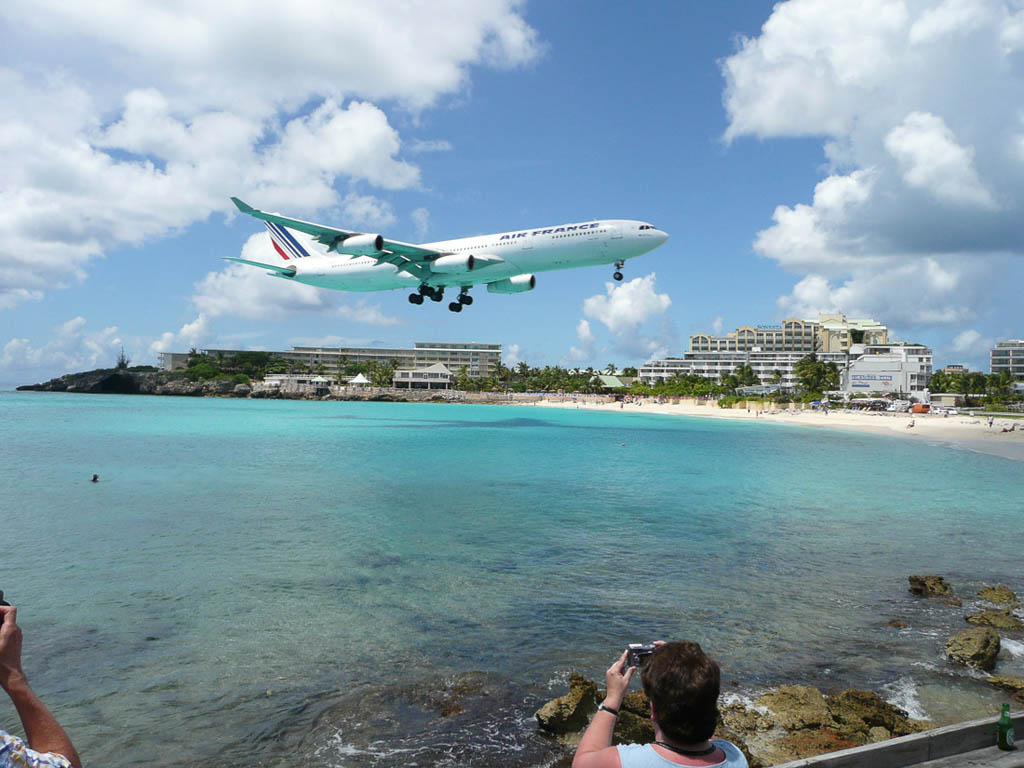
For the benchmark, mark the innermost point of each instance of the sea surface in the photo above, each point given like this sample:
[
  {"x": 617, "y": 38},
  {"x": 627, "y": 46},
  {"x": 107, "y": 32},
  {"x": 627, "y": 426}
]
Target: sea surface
[{"x": 280, "y": 583}]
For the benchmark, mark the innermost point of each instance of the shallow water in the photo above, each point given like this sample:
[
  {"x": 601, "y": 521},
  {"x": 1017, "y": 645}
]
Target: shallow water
[{"x": 264, "y": 582}]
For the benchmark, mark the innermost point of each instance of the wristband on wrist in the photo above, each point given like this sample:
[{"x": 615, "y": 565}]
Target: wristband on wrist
[{"x": 603, "y": 708}]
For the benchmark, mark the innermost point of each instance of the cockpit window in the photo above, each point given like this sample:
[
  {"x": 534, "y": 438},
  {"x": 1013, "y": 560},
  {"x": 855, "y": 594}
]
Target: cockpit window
[{"x": 646, "y": 226}]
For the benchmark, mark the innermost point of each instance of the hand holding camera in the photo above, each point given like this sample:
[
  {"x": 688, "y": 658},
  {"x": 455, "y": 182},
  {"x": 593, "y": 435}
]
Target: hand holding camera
[{"x": 637, "y": 653}]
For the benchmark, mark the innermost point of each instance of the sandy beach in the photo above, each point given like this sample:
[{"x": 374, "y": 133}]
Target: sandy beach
[{"x": 971, "y": 433}]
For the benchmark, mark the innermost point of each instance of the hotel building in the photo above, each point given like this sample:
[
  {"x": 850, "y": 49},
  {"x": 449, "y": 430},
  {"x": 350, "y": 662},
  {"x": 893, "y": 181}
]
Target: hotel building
[
  {"x": 1008, "y": 356},
  {"x": 773, "y": 352},
  {"x": 479, "y": 360}
]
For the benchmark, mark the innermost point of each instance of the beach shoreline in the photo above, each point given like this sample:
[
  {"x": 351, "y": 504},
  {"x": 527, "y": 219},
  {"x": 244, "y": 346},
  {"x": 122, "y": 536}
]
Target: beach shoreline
[{"x": 970, "y": 433}]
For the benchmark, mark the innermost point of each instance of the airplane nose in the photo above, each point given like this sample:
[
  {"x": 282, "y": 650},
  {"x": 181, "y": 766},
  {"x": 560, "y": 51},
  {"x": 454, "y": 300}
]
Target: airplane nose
[{"x": 662, "y": 236}]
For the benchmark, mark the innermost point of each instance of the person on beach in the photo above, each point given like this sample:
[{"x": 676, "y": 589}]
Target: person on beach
[
  {"x": 48, "y": 744},
  {"x": 682, "y": 684}
]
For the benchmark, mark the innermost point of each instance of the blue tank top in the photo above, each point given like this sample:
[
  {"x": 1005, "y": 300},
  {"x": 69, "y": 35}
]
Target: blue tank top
[{"x": 644, "y": 756}]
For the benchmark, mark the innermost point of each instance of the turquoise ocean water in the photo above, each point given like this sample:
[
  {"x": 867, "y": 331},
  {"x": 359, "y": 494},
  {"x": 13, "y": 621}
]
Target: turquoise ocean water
[{"x": 350, "y": 584}]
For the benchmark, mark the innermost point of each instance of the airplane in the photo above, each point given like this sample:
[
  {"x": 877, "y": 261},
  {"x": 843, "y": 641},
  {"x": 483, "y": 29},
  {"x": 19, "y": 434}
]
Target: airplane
[{"x": 346, "y": 260}]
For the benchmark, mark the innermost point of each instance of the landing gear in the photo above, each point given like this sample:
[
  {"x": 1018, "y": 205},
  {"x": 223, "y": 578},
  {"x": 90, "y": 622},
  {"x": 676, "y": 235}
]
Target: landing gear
[
  {"x": 617, "y": 274},
  {"x": 437, "y": 294}
]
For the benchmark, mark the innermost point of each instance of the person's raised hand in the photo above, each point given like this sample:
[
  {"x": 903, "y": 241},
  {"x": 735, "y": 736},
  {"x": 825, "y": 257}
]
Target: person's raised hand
[
  {"x": 10, "y": 646},
  {"x": 617, "y": 680}
]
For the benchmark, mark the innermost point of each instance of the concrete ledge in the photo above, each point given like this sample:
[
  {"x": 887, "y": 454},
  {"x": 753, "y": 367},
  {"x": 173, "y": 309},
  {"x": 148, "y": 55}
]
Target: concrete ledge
[{"x": 916, "y": 748}]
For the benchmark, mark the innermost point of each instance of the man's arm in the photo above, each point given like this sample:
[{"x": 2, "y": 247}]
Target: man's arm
[
  {"x": 41, "y": 727},
  {"x": 595, "y": 749}
]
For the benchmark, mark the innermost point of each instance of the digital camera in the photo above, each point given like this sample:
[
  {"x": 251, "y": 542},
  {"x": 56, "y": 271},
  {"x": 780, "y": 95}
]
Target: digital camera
[{"x": 636, "y": 653}]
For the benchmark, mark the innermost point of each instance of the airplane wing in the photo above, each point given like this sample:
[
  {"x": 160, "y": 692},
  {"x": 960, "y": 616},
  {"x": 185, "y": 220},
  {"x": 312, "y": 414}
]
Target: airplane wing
[{"x": 408, "y": 257}]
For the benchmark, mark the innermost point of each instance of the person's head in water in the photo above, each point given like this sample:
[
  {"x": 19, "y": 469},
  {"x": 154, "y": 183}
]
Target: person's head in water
[
  {"x": 683, "y": 685},
  {"x": 95, "y": 478}
]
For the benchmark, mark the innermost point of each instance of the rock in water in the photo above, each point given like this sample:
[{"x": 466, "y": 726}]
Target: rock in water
[
  {"x": 795, "y": 707},
  {"x": 999, "y": 619},
  {"x": 932, "y": 586},
  {"x": 976, "y": 648},
  {"x": 1013, "y": 684},
  {"x": 571, "y": 712},
  {"x": 862, "y": 716},
  {"x": 998, "y": 594}
]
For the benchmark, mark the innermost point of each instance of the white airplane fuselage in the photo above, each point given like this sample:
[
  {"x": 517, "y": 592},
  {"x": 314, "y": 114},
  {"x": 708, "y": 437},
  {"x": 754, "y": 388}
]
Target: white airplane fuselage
[{"x": 498, "y": 256}]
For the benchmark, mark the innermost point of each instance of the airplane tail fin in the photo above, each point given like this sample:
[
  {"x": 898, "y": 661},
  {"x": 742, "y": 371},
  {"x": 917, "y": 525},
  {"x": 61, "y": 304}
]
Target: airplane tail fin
[{"x": 285, "y": 243}]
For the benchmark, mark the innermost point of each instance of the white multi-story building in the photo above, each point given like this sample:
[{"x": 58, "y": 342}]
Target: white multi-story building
[
  {"x": 897, "y": 367},
  {"x": 773, "y": 352},
  {"x": 771, "y": 368},
  {"x": 479, "y": 360},
  {"x": 1008, "y": 356}
]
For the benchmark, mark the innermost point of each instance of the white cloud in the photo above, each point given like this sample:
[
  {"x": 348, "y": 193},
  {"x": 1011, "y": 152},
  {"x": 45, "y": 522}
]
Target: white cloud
[
  {"x": 716, "y": 326},
  {"x": 131, "y": 120},
  {"x": 429, "y": 145},
  {"x": 624, "y": 309},
  {"x": 72, "y": 348},
  {"x": 970, "y": 343},
  {"x": 512, "y": 355},
  {"x": 918, "y": 109},
  {"x": 421, "y": 221},
  {"x": 930, "y": 159},
  {"x": 583, "y": 331},
  {"x": 370, "y": 314}
]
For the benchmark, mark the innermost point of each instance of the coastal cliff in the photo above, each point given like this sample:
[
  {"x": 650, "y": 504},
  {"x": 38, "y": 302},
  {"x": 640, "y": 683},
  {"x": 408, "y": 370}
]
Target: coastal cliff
[{"x": 115, "y": 381}]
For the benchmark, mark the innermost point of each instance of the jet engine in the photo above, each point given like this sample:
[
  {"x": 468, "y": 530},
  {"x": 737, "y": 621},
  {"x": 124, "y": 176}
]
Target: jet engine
[
  {"x": 453, "y": 264},
  {"x": 517, "y": 284},
  {"x": 361, "y": 245}
]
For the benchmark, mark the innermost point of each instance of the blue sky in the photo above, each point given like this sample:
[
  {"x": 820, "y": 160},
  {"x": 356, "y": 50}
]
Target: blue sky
[{"x": 808, "y": 156}]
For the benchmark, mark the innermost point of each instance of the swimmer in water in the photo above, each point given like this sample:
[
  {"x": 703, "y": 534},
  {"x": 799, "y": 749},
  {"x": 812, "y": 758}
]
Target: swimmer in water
[{"x": 95, "y": 478}]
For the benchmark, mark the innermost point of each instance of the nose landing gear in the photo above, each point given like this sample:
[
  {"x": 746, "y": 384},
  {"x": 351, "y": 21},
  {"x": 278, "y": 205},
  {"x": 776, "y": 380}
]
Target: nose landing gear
[{"x": 617, "y": 274}]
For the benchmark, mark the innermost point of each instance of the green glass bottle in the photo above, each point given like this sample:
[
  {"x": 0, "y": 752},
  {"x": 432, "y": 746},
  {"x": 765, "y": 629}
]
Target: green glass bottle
[{"x": 1004, "y": 730}]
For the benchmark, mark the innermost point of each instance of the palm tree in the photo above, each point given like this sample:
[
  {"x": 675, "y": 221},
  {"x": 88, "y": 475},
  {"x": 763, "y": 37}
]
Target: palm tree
[{"x": 610, "y": 369}]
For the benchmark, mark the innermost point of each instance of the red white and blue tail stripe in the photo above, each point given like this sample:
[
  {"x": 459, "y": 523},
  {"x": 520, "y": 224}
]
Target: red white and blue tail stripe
[{"x": 285, "y": 244}]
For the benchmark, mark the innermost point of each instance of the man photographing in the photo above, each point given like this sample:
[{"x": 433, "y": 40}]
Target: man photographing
[
  {"x": 682, "y": 684},
  {"x": 48, "y": 745}
]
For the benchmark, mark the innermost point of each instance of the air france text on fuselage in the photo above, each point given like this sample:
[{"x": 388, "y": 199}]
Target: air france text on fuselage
[{"x": 575, "y": 228}]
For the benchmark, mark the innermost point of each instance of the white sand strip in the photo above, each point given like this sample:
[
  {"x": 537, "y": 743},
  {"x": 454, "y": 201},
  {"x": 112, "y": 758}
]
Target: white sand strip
[{"x": 966, "y": 432}]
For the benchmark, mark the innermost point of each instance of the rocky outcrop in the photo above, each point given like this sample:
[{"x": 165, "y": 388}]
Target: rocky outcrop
[
  {"x": 787, "y": 723},
  {"x": 1003, "y": 619},
  {"x": 933, "y": 586},
  {"x": 796, "y": 707},
  {"x": 864, "y": 716},
  {"x": 975, "y": 648},
  {"x": 1007, "y": 683},
  {"x": 571, "y": 712},
  {"x": 998, "y": 594},
  {"x": 796, "y": 721}
]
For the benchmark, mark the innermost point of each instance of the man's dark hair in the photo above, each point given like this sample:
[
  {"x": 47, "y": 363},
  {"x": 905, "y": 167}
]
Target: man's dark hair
[{"x": 683, "y": 684}]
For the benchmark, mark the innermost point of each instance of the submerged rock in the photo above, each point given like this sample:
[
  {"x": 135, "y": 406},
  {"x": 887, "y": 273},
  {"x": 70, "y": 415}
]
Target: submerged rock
[
  {"x": 571, "y": 712},
  {"x": 1007, "y": 683},
  {"x": 975, "y": 648},
  {"x": 998, "y": 594},
  {"x": 933, "y": 586},
  {"x": 897, "y": 624},
  {"x": 1003, "y": 619}
]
